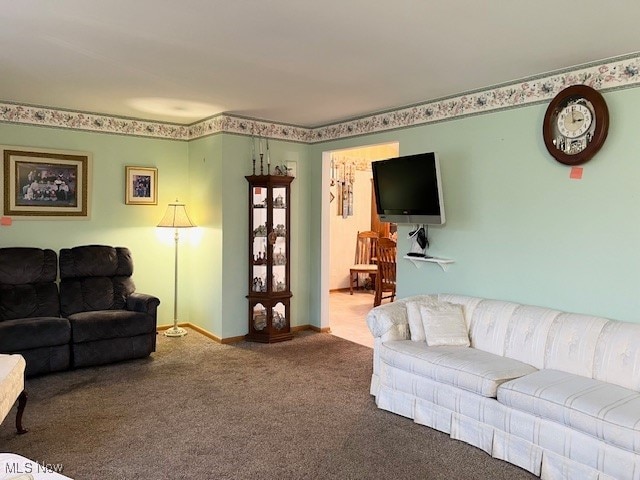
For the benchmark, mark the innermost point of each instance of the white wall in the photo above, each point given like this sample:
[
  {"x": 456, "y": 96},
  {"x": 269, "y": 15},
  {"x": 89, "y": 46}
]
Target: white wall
[{"x": 345, "y": 230}]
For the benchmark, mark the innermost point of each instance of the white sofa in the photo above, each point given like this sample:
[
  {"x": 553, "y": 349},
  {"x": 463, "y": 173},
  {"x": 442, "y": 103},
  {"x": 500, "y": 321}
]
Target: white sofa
[{"x": 552, "y": 392}]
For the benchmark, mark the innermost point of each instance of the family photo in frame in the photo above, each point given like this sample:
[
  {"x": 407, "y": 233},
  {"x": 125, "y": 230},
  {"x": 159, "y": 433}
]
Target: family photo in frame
[
  {"x": 141, "y": 186},
  {"x": 45, "y": 183}
]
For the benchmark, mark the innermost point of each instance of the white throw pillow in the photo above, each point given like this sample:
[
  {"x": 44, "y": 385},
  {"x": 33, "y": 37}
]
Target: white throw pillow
[
  {"x": 444, "y": 325},
  {"x": 415, "y": 321}
]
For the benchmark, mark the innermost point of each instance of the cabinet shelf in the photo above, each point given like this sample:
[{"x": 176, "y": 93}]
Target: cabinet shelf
[{"x": 419, "y": 261}]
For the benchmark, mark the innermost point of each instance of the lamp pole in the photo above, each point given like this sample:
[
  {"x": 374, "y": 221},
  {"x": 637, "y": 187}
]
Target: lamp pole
[
  {"x": 175, "y": 331},
  {"x": 176, "y": 216}
]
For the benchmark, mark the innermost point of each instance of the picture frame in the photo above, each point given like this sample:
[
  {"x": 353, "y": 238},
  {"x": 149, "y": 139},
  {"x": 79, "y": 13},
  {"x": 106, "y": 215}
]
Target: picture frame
[
  {"x": 141, "y": 185},
  {"x": 46, "y": 184}
]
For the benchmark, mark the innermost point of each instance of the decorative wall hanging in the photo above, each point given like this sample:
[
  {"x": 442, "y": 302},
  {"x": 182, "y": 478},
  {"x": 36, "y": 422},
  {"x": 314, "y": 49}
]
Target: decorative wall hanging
[
  {"x": 141, "y": 186},
  {"x": 343, "y": 175},
  {"x": 46, "y": 183}
]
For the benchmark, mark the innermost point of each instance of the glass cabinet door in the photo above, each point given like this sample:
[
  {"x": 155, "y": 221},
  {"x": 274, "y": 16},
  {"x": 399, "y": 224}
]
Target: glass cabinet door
[
  {"x": 279, "y": 241},
  {"x": 259, "y": 277}
]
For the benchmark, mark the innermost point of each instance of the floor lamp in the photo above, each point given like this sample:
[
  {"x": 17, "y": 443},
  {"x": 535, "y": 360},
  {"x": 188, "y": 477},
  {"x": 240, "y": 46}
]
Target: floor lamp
[{"x": 176, "y": 217}]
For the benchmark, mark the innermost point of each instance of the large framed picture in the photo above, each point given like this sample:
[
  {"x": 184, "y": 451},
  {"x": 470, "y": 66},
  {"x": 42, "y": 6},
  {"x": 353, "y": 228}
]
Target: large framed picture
[
  {"x": 46, "y": 184},
  {"x": 141, "y": 186}
]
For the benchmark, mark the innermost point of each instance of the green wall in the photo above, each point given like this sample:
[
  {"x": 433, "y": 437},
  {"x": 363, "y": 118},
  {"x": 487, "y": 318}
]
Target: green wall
[
  {"x": 517, "y": 226},
  {"x": 112, "y": 222},
  {"x": 205, "y": 249},
  {"x": 208, "y": 174},
  {"x": 219, "y": 262}
]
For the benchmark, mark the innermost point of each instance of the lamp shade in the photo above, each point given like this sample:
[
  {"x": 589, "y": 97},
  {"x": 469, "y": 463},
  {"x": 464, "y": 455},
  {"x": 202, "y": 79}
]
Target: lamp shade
[{"x": 176, "y": 217}]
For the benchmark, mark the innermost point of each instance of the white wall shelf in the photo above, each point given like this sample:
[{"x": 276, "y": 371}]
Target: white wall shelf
[{"x": 419, "y": 261}]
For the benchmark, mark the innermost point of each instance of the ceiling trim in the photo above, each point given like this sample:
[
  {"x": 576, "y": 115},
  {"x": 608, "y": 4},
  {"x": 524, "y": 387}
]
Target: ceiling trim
[{"x": 615, "y": 73}]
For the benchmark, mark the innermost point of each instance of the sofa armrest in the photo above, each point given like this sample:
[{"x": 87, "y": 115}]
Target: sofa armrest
[
  {"x": 389, "y": 322},
  {"x": 141, "y": 302}
]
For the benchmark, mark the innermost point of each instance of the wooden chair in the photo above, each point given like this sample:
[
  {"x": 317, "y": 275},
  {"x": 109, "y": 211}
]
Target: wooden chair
[
  {"x": 365, "y": 254},
  {"x": 386, "y": 277}
]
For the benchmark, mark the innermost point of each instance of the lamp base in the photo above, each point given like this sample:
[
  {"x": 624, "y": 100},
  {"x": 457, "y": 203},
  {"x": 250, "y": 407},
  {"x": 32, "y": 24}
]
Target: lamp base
[{"x": 175, "y": 332}]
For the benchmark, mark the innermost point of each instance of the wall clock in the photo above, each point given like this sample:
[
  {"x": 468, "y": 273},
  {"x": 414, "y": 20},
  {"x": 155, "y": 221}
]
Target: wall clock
[{"x": 575, "y": 125}]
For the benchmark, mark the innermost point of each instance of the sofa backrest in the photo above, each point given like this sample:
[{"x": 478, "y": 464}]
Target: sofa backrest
[
  {"x": 527, "y": 334},
  {"x": 489, "y": 324},
  {"x": 617, "y": 355},
  {"x": 95, "y": 277},
  {"x": 585, "y": 345},
  {"x": 571, "y": 343},
  {"x": 27, "y": 283}
]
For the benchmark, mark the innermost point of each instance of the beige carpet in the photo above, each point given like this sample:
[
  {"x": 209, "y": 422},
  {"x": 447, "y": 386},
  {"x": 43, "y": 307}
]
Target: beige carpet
[{"x": 200, "y": 410}]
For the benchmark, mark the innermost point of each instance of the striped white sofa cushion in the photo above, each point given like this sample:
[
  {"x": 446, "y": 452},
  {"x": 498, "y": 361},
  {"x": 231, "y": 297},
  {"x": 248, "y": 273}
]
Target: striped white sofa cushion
[
  {"x": 488, "y": 327},
  {"x": 608, "y": 412},
  {"x": 571, "y": 344},
  {"x": 527, "y": 334},
  {"x": 617, "y": 358},
  {"x": 467, "y": 368},
  {"x": 469, "y": 304}
]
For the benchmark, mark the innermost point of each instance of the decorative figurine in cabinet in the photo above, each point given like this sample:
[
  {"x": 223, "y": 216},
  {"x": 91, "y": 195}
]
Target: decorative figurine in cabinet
[{"x": 269, "y": 254}]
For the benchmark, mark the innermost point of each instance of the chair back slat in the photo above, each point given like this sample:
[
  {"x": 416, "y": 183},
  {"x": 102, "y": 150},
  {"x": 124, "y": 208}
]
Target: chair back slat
[
  {"x": 366, "y": 247},
  {"x": 386, "y": 278}
]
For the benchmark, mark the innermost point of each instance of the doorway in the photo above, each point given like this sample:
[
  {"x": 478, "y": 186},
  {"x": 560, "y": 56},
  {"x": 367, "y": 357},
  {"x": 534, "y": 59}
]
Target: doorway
[{"x": 346, "y": 209}]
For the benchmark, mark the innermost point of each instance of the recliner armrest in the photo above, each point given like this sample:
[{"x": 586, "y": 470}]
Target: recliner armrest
[{"x": 141, "y": 302}]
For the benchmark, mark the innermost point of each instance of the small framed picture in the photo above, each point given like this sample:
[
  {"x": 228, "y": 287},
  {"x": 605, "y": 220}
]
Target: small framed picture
[
  {"x": 141, "y": 186},
  {"x": 51, "y": 184}
]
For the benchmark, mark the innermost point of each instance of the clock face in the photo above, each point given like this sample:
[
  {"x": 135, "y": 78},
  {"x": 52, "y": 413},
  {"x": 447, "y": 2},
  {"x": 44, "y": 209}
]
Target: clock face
[
  {"x": 575, "y": 124},
  {"x": 574, "y": 120}
]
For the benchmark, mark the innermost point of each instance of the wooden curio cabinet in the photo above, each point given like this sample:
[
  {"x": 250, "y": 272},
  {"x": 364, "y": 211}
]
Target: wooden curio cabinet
[{"x": 269, "y": 255}]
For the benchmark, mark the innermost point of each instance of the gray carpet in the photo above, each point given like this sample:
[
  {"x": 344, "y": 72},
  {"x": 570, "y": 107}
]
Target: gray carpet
[{"x": 200, "y": 410}]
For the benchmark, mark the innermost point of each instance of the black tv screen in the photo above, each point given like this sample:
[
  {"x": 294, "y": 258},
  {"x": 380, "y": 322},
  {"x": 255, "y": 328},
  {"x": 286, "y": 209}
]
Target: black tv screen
[{"x": 409, "y": 190}]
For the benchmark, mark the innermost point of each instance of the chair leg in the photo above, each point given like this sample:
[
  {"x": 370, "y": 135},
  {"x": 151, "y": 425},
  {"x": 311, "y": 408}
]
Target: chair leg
[
  {"x": 351, "y": 283},
  {"x": 22, "y": 403}
]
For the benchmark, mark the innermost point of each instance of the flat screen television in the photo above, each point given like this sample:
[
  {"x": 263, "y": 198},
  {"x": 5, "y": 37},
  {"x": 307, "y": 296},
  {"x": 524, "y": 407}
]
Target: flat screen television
[{"x": 409, "y": 190}]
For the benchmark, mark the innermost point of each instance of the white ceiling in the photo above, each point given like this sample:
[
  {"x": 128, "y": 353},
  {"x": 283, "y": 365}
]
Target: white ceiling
[{"x": 290, "y": 61}]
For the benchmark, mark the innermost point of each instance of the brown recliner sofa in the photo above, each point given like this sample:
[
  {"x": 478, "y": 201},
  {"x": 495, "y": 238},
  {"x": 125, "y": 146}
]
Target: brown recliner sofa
[
  {"x": 96, "y": 317},
  {"x": 30, "y": 322}
]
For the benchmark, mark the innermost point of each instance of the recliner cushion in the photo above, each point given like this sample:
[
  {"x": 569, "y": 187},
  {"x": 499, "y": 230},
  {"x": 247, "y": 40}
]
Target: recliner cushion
[
  {"x": 32, "y": 300},
  {"x": 95, "y": 261},
  {"x": 27, "y": 333},
  {"x": 23, "y": 265},
  {"x": 94, "y": 293},
  {"x": 105, "y": 324}
]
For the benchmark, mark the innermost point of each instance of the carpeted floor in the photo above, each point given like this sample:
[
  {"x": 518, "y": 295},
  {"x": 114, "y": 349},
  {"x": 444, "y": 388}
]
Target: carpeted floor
[{"x": 200, "y": 410}]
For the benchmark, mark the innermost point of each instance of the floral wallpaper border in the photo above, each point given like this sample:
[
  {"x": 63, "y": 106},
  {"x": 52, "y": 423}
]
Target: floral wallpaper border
[
  {"x": 225, "y": 123},
  {"x": 50, "y": 117},
  {"x": 615, "y": 73},
  {"x": 618, "y": 73}
]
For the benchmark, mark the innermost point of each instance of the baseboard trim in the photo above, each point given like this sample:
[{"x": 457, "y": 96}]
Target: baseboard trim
[
  {"x": 301, "y": 328},
  {"x": 228, "y": 340},
  {"x": 198, "y": 329}
]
